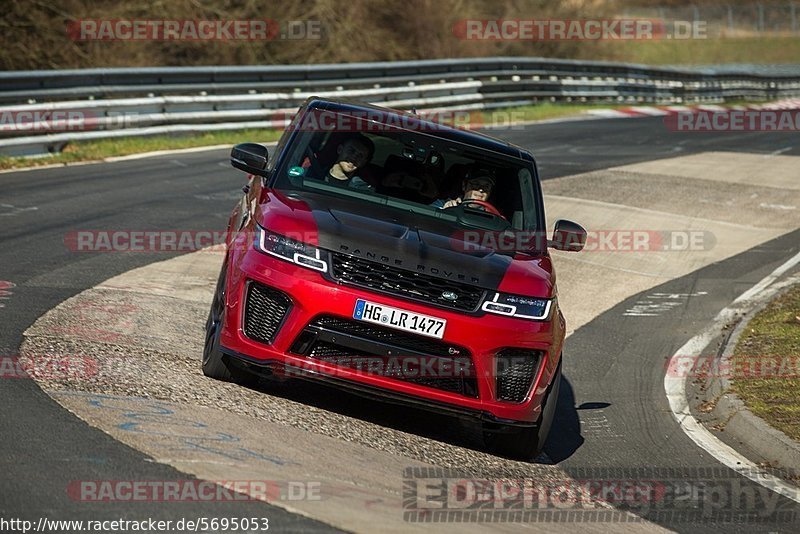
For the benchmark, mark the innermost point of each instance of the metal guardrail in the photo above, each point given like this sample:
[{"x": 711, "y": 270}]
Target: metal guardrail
[{"x": 148, "y": 101}]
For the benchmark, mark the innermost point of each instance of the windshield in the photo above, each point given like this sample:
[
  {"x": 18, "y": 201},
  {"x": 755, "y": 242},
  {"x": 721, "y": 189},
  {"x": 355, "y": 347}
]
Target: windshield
[{"x": 411, "y": 170}]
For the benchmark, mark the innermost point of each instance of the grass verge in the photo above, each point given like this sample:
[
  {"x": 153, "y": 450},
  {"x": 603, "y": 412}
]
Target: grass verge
[
  {"x": 765, "y": 364},
  {"x": 124, "y": 146},
  {"x": 770, "y": 49},
  {"x": 537, "y": 112}
]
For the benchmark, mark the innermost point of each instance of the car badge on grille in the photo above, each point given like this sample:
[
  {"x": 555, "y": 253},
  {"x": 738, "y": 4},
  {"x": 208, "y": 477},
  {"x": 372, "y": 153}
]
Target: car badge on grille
[{"x": 449, "y": 295}]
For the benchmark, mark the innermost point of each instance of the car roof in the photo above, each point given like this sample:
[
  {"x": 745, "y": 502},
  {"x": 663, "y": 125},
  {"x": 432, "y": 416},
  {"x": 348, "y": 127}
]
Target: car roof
[{"x": 414, "y": 122}]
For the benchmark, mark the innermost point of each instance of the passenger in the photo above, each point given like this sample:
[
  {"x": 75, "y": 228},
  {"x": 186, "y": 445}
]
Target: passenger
[{"x": 351, "y": 155}]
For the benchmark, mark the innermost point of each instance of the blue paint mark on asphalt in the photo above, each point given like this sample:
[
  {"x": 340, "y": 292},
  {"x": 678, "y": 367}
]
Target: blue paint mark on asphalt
[{"x": 151, "y": 411}]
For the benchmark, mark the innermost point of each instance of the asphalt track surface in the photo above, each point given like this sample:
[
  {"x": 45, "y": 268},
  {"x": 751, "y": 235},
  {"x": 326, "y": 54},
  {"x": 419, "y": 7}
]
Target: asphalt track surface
[{"x": 44, "y": 447}]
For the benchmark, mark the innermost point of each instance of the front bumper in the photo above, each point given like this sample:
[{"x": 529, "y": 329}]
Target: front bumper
[{"x": 312, "y": 296}]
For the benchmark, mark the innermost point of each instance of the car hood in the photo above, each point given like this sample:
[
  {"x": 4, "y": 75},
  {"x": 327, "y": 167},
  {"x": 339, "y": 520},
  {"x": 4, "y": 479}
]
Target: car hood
[{"x": 402, "y": 239}]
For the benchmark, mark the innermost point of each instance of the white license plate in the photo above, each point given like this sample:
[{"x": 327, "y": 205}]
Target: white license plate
[{"x": 400, "y": 319}]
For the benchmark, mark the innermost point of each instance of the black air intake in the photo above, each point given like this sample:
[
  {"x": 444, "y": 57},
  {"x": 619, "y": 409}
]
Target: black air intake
[
  {"x": 516, "y": 369},
  {"x": 264, "y": 311}
]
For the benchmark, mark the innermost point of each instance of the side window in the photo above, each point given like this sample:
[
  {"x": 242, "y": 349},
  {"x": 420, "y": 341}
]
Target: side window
[
  {"x": 526, "y": 220},
  {"x": 284, "y": 138}
]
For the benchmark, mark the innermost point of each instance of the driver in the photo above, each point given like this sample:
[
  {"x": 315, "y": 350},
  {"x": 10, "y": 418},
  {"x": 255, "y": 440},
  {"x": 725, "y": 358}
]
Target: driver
[
  {"x": 353, "y": 154},
  {"x": 479, "y": 187}
]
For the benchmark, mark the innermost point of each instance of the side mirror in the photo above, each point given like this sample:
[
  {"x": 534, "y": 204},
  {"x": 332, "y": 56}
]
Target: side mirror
[
  {"x": 250, "y": 157},
  {"x": 568, "y": 236}
]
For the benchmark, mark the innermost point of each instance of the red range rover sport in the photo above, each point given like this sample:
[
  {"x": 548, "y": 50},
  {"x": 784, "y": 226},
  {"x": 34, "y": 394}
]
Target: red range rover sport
[{"x": 396, "y": 257}]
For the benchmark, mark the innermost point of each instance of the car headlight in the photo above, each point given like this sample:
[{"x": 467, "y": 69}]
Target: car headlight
[
  {"x": 532, "y": 308},
  {"x": 288, "y": 249}
]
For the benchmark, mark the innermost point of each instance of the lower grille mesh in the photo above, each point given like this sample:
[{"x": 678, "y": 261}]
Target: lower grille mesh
[
  {"x": 383, "y": 366},
  {"x": 265, "y": 309},
  {"x": 515, "y": 372},
  {"x": 434, "y": 363}
]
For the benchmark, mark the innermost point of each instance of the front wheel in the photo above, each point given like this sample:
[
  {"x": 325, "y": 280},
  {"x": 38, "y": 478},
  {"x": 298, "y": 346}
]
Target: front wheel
[
  {"x": 527, "y": 443},
  {"x": 214, "y": 364}
]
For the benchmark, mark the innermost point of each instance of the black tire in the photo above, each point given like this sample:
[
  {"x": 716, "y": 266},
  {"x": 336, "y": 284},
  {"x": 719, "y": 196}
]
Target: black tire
[
  {"x": 214, "y": 362},
  {"x": 527, "y": 443}
]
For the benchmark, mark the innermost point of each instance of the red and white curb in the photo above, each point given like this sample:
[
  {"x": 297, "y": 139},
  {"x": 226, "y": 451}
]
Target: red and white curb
[{"x": 660, "y": 111}]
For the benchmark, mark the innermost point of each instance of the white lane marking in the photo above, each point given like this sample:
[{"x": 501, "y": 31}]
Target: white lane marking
[
  {"x": 675, "y": 386},
  {"x": 655, "y": 304},
  {"x": 14, "y": 210},
  {"x": 178, "y": 163},
  {"x": 763, "y": 284},
  {"x": 777, "y": 206},
  {"x": 645, "y": 308},
  {"x": 170, "y": 152},
  {"x": 778, "y": 152},
  {"x": 598, "y": 425}
]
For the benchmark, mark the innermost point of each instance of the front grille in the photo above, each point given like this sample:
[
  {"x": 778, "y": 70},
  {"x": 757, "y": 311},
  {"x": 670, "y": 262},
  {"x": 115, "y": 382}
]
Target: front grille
[
  {"x": 390, "y": 353},
  {"x": 516, "y": 369},
  {"x": 409, "y": 284},
  {"x": 264, "y": 311}
]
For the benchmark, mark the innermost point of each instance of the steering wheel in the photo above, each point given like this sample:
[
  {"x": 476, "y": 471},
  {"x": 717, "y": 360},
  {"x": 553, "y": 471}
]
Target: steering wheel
[{"x": 485, "y": 205}]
